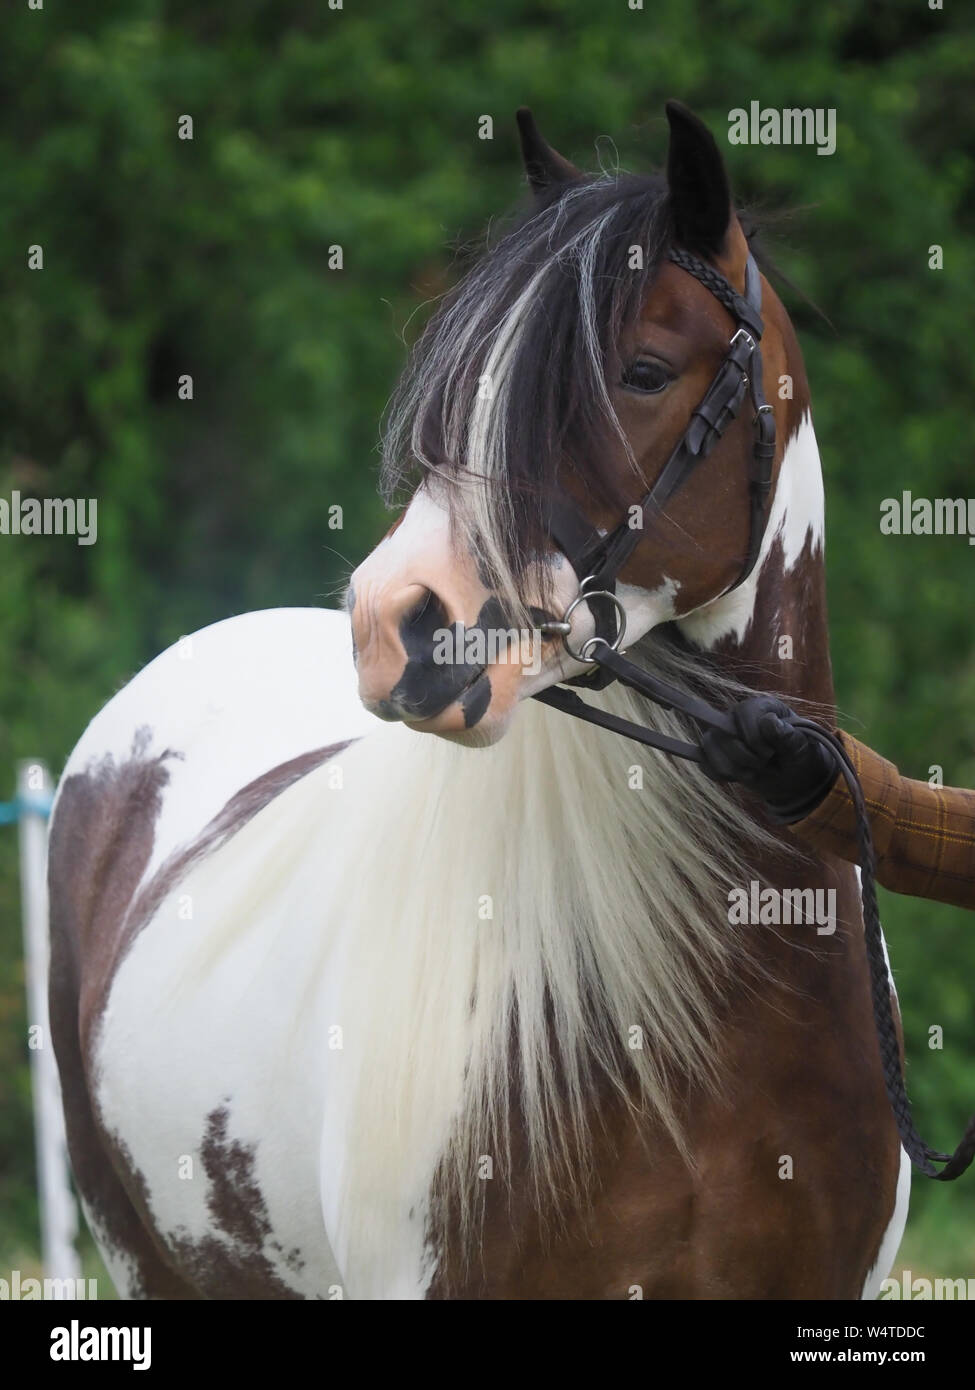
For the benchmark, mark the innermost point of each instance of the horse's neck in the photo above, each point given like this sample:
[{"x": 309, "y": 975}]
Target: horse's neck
[{"x": 771, "y": 633}]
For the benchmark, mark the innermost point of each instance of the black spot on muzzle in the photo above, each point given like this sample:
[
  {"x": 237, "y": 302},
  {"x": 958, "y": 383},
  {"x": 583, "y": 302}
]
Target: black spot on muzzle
[{"x": 428, "y": 683}]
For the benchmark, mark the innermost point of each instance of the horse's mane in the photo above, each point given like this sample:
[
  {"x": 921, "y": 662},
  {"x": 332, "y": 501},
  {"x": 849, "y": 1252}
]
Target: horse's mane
[
  {"x": 509, "y": 383},
  {"x": 597, "y": 979}
]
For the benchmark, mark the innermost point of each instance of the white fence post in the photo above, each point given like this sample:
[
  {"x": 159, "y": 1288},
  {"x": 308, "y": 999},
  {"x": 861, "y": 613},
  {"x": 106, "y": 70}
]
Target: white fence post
[{"x": 58, "y": 1209}]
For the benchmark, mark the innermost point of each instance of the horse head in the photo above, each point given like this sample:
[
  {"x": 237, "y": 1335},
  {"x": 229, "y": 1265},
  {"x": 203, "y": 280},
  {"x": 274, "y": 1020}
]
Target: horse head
[{"x": 560, "y": 375}]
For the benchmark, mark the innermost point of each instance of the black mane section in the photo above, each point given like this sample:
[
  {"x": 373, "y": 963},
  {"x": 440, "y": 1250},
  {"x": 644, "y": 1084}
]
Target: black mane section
[{"x": 559, "y": 289}]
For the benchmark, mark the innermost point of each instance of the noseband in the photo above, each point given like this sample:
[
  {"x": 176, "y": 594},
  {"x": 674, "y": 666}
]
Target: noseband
[{"x": 597, "y": 559}]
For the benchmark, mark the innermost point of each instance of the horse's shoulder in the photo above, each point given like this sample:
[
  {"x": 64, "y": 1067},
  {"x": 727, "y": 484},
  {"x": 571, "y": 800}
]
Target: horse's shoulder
[{"x": 203, "y": 728}]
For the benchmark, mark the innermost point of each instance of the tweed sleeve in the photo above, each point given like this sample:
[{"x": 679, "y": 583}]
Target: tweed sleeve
[{"x": 924, "y": 836}]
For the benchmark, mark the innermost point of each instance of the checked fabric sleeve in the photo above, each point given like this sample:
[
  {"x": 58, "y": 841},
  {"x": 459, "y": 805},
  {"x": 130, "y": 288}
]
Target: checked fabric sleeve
[{"x": 924, "y": 836}]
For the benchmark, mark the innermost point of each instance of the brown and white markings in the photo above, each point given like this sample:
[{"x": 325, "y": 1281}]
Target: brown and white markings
[{"x": 343, "y": 1008}]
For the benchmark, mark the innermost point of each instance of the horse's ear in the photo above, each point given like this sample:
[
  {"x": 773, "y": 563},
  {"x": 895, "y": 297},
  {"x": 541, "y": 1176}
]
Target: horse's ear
[
  {"x": 544, "y": 166},
  {"x": 700, "y": 195}
]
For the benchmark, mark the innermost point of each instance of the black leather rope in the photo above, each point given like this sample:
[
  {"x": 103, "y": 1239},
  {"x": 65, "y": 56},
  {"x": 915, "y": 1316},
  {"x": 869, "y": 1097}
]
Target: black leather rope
[
  {"x": 920, "y": 1153},
  {"x": 570, "y": 703}
]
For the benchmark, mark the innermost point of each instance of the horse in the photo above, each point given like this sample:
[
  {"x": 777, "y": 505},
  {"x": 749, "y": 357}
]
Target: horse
[{"x": 373, "y": 976}]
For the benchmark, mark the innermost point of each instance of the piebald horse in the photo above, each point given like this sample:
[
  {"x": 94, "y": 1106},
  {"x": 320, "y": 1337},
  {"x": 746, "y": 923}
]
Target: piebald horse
[{"x": 373, "y": 977}]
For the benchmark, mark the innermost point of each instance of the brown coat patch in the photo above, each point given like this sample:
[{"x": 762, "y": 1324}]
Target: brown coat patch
[
  {"x": 102, "y": 838},
  {"x": 237, "y": 1266}
]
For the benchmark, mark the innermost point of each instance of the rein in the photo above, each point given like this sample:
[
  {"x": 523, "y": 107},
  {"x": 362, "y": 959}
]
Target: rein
[{"x": 599, "y": 558}]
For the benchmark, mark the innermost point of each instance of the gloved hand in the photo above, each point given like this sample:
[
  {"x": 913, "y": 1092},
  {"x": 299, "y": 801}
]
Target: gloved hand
[{"x": 788, "y": 768}]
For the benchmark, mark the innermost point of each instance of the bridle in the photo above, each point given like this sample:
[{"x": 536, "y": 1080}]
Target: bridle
[{"x": 597, "y": 559}]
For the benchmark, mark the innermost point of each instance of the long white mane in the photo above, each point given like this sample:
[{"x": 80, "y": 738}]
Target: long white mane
[{"x": 494, "y": 931}]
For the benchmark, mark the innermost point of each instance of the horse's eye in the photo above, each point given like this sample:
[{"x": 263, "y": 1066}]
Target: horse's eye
[{"x": 646, "y": 376}]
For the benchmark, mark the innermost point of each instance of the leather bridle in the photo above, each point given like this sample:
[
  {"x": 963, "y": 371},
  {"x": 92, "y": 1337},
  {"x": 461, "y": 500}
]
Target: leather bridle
[{"x": 597, "y": 559}]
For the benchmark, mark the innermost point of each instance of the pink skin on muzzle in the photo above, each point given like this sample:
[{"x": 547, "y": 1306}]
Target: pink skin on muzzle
[{"x": 405, "y": 598}]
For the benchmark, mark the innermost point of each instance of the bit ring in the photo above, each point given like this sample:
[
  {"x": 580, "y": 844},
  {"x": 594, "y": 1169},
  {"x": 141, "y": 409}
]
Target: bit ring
[{"x": 582, "y": 597}]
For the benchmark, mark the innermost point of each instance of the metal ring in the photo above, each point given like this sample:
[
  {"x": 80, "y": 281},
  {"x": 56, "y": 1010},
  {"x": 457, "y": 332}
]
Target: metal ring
[
  {"x": 617, "y": 641},
  {"x": 592, "y": 642}
]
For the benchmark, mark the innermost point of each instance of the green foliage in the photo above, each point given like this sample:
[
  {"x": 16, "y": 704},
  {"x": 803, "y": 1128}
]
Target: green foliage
[{"x": 315, "y": 127}]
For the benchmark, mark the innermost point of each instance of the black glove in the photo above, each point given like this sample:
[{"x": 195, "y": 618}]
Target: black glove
[{"x": 786, "y": 766}]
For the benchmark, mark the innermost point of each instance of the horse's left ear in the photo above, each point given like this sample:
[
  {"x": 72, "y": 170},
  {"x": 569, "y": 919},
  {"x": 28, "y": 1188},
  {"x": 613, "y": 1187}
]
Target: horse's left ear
[
  {"x": 700, "y": 195},
  {"x": 544, "y": 166}
]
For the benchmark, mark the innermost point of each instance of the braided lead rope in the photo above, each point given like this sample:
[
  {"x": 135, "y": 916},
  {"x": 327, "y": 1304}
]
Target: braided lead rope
[
  {"x": 917, "y": 1150},
  {"x": 670, "y": 697}
]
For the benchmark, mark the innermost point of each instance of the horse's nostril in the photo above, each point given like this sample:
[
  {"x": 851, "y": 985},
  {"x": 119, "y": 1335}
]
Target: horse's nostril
[
  {"x": 421, "y": 621},
  {"x": 414, "y": 614}
]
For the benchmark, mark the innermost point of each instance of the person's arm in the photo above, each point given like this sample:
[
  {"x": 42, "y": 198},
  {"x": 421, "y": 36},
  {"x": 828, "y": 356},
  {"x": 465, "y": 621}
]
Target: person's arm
[{"x": 924, "y": 836}]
